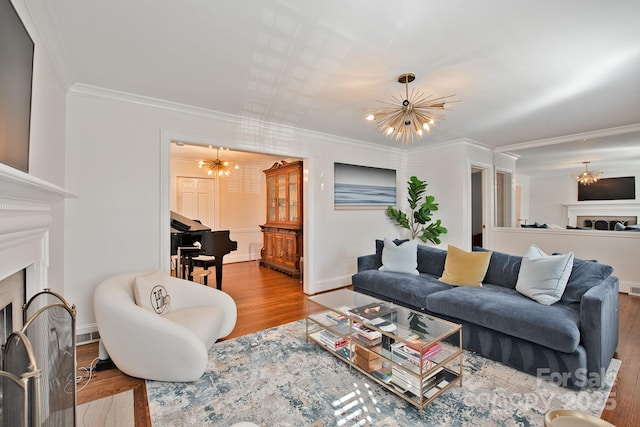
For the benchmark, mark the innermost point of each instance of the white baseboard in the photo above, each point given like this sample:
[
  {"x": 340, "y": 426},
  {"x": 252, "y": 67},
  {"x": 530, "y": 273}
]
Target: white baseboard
[
  {"x": 626, "y": 285},
  {"x": 631, "y": 288},
  {"x": 333, "y": 283}
]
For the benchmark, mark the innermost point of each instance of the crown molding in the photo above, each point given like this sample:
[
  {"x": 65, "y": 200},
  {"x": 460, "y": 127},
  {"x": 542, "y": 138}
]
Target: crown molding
[
  {"x": 462, "y": 141},
  {"x": 271, "y": 127},
  {"x": 570, "y": 138},
  {"x": 38, "y": 15}
]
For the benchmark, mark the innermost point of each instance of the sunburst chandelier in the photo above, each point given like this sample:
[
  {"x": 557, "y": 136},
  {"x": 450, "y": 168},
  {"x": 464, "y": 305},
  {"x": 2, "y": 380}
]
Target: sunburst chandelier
[
  {"x": 217, "y": 167},
  {"x": 408, "y": 117},
  {"x": 587, "y": 177}
]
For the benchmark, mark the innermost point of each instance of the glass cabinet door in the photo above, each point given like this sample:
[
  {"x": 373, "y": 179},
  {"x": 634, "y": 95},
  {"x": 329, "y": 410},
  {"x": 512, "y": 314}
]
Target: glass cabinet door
[
  {"x": 293, "y": 196},
  {"x": 272, "y": 200},
  {"x": 282, "y": 197}
]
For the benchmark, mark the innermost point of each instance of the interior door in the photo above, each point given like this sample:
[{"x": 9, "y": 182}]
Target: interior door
[{"x": 195, "y": 199}]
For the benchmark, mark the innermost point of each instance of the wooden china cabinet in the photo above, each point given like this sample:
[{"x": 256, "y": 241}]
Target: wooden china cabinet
[{"x": 282, "y": 247}]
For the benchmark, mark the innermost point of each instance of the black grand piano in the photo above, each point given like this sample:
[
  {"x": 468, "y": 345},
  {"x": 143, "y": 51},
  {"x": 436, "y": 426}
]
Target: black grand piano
[{"x": 185, "y": 233}]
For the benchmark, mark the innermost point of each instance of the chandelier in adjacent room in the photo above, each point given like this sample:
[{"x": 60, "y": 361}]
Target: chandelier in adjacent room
[
  {"x": 217, "y": 167},
  {"x": 408, "y": 117},
  {"x": 587, "y": 177}
]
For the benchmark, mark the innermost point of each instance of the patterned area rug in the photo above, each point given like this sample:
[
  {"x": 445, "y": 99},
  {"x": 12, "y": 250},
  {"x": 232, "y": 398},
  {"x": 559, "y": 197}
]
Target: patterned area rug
[{"x": 275, "y": 378}]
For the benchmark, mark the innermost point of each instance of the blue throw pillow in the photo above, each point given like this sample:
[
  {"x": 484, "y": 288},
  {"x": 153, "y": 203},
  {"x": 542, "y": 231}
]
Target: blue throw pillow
[
  {"x": 584, "y": 275},
  {"x": 503, "y": 269},
  {"x": 431, "y": 260}
]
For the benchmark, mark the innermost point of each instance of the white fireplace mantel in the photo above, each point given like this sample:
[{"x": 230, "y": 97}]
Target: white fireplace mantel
[
  {"x": 26, "y": 205},
  {"x": 602, "y": 208},
  {"x": 19, "y": 186}
]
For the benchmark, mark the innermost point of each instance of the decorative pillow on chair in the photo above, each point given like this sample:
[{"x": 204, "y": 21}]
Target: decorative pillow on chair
[
  {"x": 543, "y": 277},
  {"x": 150, "y": 293},
  {"x": 402, "y": 258},
  {"x": 462, "y": 268}
]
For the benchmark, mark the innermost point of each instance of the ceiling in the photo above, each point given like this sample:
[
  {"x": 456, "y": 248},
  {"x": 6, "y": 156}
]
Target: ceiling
[{"x": 524, "y": 72}]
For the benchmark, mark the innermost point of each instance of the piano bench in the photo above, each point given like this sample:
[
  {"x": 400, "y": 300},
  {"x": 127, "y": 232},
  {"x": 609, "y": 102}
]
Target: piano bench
[{"x": 201, "y": 275}]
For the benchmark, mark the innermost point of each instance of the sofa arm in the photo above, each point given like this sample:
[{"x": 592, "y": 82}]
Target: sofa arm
[
  {"x": 369, "y": 262},
  {"x": 599, "y": 324}
]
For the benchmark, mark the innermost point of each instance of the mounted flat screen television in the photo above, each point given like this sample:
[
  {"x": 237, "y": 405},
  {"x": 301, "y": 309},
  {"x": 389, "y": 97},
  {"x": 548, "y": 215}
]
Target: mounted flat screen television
[
  {"x": 623, "y": 188},
  {"x": 16, "y": 72}
]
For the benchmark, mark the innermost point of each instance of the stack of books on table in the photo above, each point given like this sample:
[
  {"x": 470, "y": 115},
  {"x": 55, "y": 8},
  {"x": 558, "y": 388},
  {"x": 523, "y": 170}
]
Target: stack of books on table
[
  {"x": 365, "y": 336},
  {"x": 332, "y": 341},
  {"x": 416, "y": 355},
  {"x": 336, "y": 318},
  {"x": 406, "y": 382}
]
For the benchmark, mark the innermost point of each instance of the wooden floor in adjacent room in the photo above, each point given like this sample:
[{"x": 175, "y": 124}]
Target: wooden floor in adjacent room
[{"x": 266, "y": 298}]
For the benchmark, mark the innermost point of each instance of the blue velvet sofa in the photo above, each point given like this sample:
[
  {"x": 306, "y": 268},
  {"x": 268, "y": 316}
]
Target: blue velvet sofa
[{"x": 570, "y": 342}]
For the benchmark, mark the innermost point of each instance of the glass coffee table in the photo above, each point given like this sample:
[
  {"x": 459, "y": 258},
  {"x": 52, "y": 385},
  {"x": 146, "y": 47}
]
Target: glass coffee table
[{"x": 412, "y": 354}]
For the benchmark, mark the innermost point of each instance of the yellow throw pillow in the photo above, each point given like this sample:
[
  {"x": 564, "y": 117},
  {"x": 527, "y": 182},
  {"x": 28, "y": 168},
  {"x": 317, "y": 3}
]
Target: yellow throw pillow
[{"x": 462, "y": 268}]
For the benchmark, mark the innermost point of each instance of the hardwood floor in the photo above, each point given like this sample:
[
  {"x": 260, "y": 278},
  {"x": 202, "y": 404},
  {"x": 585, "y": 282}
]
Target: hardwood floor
[{"x": 266, "y": 298}]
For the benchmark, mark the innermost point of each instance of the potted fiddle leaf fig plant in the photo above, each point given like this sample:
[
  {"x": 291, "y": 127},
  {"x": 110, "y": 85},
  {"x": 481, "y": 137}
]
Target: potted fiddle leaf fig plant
[{"x": 418, "y": 219}]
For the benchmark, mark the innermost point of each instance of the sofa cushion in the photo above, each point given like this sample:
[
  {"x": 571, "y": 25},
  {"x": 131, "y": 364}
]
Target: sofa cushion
[
  {"x": 507, "y": 311},
  {"x": 400, "y": 258},
  {"x": 431, "y": 260},
  {"x": 584, "y": 275},
  {"x": 204, "y": 321},
  {"x": 503, "y": 268},
  {"x": 404, "y": 288},
  {"x": 543, "y": 277},
  {"x": 150, "y": 292},
  {"x": 462, "y": 268}
]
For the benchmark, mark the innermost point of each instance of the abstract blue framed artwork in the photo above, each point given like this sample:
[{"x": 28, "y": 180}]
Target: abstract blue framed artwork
[{"x": 363, "y": 187}]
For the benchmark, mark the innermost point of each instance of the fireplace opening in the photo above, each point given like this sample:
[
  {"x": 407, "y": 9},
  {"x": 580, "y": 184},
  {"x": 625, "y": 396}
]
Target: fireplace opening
[
  {"x": 12, "y": 298},
  {"x": 605, "y": 222}
]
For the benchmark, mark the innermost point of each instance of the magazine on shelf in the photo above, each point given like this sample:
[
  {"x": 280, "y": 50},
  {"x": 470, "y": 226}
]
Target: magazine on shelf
[
  {"x": 365, "y": 342},
  {"x": 366, "y": 331},
  {"x": 427, "y": 352},
  {"x": 382, "y": 324},
  {"x": 416, "y": 344},
  {"x": 403, "y": 353},
  {"x": 336, "y": 317}
]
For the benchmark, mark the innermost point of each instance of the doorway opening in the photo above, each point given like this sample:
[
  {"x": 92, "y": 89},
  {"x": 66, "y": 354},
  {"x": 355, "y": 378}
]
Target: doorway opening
[
  {"x": 477, "y": 203},
  {"x": 504, "y": 200},
  {"x": 236, "y": 202}
]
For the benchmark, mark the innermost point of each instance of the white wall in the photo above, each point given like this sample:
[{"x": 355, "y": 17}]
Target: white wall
[
  {"x": 115, "y": 151},
  {"x": 47, "y": 140},
  {"x": 447, "y": 170},
  {"x": 618, "y": 249}
]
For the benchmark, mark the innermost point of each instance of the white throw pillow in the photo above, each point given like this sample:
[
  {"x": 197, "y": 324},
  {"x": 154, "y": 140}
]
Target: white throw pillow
[
  {"x": 150, "y": 293},
  {"x": 543, "y": 277},
  {"x": 534, "y": 252},
  {"x": 402, "y": 258}
]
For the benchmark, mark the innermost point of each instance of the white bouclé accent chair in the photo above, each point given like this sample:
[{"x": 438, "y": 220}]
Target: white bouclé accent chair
[{"x": 171, "y": 346}]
